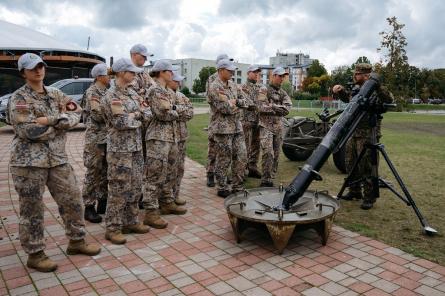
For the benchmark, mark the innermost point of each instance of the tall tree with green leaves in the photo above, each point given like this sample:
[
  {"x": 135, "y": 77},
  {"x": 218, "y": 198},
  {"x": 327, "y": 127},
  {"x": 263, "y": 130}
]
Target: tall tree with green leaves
[
  {"x": 395, "y": 70},
  {"x": 199, "y": 84},
  {"x": 316, "y": 69}
]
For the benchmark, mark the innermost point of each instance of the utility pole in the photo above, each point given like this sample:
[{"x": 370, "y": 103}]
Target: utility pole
[{"x": 88, "y": 43}]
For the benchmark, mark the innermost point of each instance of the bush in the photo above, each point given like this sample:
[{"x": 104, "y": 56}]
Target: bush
[
  {"x": 185, "y": 90},
  {"x": 305, "y": 96}
]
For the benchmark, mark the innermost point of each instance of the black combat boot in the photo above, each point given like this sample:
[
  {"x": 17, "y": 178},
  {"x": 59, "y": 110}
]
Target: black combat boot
[
  {"x": 254, "y": 173},
  {"x": 102, "y": 206},
  {"x": 266, "y": 184},
  {"x": 91, "y": 215},
  {"x": 210, "y": 180},
  {"x": 352, "y": 195},
  {"x": 367, "y": 204},
  {"x": 224, "y": 193}
]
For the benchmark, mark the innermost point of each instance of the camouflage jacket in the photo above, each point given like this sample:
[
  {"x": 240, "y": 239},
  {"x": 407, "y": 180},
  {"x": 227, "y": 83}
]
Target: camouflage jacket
[
  {"x": 383, "y": 95},
  {"x": 251, "y": 91},
  {"x": 226, "y": 118},
  {"x": 96, "y": 131},
  {"x": 272, "y": 107},
  {"x": 141, "y": 83},
  {"x": 35, "y": 145},
  {"x": 185, "y": 111},
  {"x": 124, "y": 113},
  {"x": 163, "y": 126}
]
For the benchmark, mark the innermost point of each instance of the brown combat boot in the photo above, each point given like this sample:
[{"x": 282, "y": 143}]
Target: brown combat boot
[
  {"x": 116, "y": 237},
  {"x": 172, "y": 208},
  {"x": 135, "y": 228},
  {"x": 180, "y": 202},
  {"x": 81, "y": 247},
  {"x": 153, "y": 219},
  {"x": 39, "y": 261}
]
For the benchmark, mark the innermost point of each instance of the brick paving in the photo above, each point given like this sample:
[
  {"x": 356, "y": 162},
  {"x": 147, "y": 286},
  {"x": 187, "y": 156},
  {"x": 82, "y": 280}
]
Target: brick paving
[{"x": 197, "y": 254}]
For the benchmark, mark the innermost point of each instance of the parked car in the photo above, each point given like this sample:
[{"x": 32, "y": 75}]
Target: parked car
[
  {"x": 73, "y": 87},
  {"x": 3, "y": 104},
  {"x": 435, "y": 101},
  {"x": 415, "y": 101}
]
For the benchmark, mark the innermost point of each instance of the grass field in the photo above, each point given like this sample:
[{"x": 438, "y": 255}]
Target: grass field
[{"x": 416, "y": 145}]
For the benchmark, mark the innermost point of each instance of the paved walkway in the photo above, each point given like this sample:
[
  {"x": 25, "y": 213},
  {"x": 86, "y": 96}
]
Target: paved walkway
[{"x": 197, "y": 254}]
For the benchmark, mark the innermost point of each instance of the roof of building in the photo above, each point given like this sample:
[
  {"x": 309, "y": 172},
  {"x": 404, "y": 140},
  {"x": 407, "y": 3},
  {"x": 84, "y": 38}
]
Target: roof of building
[{"x": 15, "y": 37}]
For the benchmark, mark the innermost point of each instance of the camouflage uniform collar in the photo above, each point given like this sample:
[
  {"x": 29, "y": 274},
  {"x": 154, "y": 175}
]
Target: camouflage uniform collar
[
  {"x": 224, "y": 84},
  {"x": 100, "y": 88},
  {"x": 251, "y": 81},
  {"x": 275, "y": 86},
  {"x": 35, "y": 94}
]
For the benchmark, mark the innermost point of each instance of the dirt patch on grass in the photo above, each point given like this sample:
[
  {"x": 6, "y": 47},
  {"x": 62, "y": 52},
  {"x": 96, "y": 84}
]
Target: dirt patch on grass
[{"x": 435, "y": 129}]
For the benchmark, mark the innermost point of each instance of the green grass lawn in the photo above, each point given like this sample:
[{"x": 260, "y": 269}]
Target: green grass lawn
[{"x": 416, "y": 145}]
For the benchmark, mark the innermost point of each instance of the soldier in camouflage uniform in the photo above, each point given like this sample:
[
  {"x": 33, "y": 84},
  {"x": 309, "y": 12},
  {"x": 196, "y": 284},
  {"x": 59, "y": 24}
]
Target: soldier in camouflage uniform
[
  {"x": 251, "y": 128},
  {"x": 124, "y": 112},
  {"x": 360, "y": 138},
  {"x": 162, "y": 150},
  {"x": 272, "y": 107},
  {"x": 225, "y": 102},
  {"x": 211, "y": 150},
  {"x": 40, "y": 117},
  {"x": 185, "y": 111},
  {"x": 95, "y": 186},
  {"x": 141, "y": 83}
]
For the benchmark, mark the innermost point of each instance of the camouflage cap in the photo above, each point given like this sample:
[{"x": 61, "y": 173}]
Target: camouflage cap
[
  {"x": 99, "y": 70},
  {"x": 253, "y": 68},
  {"x": 162, "y": 65},
  {"x": 29, "y": 61},
  {"x": 279, "y": 71},
  {"x": 226, "y": 64},
  {"x": 122, "y": 65},
  {"x": 363, "y": 68},
  {"x": 140, "y": 49},
  {"x": 177, "y": 77}
]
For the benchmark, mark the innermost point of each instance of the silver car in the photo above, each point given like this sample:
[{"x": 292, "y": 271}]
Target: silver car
[{"x": 73, "y": 87}]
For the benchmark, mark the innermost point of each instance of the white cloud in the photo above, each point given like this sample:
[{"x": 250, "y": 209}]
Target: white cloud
[{"x": 251, "y": 31}]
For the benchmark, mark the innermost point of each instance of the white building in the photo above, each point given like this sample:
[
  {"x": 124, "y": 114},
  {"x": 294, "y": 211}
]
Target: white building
[
  {"x": 190, "y": 68},
  {"x": 287, "y": 59}
]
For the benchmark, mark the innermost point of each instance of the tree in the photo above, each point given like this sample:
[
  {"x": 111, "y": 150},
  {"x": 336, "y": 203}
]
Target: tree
[
  {"x": 287, "y": 87},
  {"x": 341, "y": 75},
  {"x": 396, "y": 71},
  {"x": 199, "y": 84},
  {"x": 185, "y": 90},
  {"x": 313, "y": 88},
  {"x": 316, "y": 69}
]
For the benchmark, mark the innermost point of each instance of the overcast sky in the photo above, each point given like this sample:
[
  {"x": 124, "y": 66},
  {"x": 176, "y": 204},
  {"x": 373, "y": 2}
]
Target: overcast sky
[{"x": 335, "y": 32}]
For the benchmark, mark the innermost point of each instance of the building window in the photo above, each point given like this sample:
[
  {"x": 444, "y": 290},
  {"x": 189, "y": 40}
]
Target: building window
[
  {"x": 238, "y": 72},
  {"x": 185, "y": 70},
  {"x": 238, "y": 80}
]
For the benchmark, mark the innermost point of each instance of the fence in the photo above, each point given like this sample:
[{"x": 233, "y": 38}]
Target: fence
[{"x": 316, "y": 104}]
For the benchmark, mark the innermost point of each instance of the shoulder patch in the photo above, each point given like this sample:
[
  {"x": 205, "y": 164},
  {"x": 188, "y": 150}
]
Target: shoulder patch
[{"x": 116, "y": 107}]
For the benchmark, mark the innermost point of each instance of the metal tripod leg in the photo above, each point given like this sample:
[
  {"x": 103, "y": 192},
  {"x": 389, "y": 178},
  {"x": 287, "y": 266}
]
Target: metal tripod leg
[
  {"x": 426, "y": 227},
  {"x": 347, "y": 181}
]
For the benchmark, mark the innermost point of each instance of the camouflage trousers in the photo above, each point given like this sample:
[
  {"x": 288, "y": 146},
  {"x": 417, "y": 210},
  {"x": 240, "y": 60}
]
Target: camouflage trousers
[
  {"x": 252, "y": 138},
  {"x": 30, "y": 184},
  {"x": 95, "y": 185},
  {"x": 159, "y": 173},
  {"x": 124, "y": 188},
  {"x": 211, "y": 153},
  {"x": 364, "y": 169},
  {"x": 179, "y": 168},
  {"x": 270, "y": 150},
  {"x": 231, "y": 154}
]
